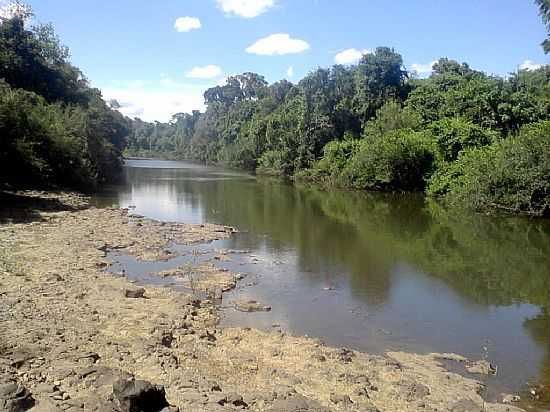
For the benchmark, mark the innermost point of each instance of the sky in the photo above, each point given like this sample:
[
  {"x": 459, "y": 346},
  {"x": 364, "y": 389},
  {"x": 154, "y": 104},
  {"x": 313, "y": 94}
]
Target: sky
[{"x": 158, "y": 58}]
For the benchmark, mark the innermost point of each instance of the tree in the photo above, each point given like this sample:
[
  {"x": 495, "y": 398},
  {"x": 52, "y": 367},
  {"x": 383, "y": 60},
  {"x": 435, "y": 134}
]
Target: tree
[
  {"x": 378, "y": 77},
  {"x": 55, "y": 129},
  {"x": 544, "y": 11}
]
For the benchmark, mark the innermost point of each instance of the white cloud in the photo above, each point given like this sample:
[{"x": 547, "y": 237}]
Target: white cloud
[
  {"x": 278, "y": 44},
  {"x": 184, "y": 24},
  {"x": 423, "y": 69},
  {"x": 152, "y": 101},
  {"x": 529, "y": 65},
  {"x": 290, "y": 72},
  {"x": 350, "y": 56},
  {"x": 210, "y": 71},
  {"x": 245, "y": 8}
]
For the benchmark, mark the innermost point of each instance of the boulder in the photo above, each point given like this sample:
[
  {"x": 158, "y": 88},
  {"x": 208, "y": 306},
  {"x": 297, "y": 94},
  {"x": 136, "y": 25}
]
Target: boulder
[
  {"x": 15, "y": 398},
  {"x": 134, "y": 293},
  {"x": 137, "y": 396}
]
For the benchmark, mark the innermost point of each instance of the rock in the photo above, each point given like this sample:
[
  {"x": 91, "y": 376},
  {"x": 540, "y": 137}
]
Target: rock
[
  {"x": 44, "y": 388},
  {"x": 340, "y": 399},
  {"x": 215, "y": 294},
  {"x": 345, "y": 355},
  {"x": 296, "y": 403},
  {"x": 318, "y": 358},
  {"x": 165, "y": 338},
  {"x": 450, "y": 356},
  {"x": 15, "y": 398},
  {"x": 251, "y": 306},
  {"x": 137, "y": 395},
  {"x": 232, "y": 398},
  {"x": 416, "y": 391},
  {"x": 506, "y": 398},
  {"x": 482, "y": 367},
  {"x": 134, "y": 293},
  {"x": 54, "y": 277},
  {"x": 467, "y": 405}
]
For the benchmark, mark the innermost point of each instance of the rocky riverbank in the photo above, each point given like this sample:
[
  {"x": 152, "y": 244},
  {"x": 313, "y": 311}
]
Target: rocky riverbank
[{"x": 74, "y": 337}]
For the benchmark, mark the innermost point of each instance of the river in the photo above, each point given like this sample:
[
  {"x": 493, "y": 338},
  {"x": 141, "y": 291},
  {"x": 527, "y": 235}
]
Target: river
[{"x": 373, "y": 272}]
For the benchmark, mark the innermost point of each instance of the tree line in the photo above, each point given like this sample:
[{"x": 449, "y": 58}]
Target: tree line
[
  {"x": 55, "y": 130},
  {"x": 468, "y": 137},
  {"x": 474, "y": 139}
]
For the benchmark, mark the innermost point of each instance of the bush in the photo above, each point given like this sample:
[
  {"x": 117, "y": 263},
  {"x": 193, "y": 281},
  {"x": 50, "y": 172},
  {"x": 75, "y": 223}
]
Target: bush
[
  {"x": 398, "y": 161},
  {"x": 512, "y": 175},
  {"x": 453, "y": 135},
  {"x": 40, "y": 141},
  {"x": 273, "y": 162},
  {"x": 392, "y": 117},
  {"x": 328, "y": 169},
  {"x": 51, "y": 144}
]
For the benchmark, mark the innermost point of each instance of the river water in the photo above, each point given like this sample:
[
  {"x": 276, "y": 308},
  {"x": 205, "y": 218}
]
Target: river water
[{"x": 373, "y": 272}]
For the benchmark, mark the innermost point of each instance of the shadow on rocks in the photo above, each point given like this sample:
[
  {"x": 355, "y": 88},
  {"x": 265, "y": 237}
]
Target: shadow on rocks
[
  {"x": 19, "y": 208},
  {"x": 140, "y": 396}
]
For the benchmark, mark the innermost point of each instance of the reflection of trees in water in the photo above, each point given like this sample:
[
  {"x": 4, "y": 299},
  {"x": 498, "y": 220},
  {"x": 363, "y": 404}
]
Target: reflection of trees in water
[
  {"x": 487, "y": 260},
  {"x": 539, "y": 328}
]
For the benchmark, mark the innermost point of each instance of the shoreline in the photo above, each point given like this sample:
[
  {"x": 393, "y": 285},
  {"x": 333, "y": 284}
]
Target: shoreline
[{"x": 71, "y": 330}]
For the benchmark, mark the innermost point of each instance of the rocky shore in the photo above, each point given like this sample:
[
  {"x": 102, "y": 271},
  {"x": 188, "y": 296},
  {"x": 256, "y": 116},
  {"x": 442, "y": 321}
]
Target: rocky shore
[{"x": 74, "y": 337}]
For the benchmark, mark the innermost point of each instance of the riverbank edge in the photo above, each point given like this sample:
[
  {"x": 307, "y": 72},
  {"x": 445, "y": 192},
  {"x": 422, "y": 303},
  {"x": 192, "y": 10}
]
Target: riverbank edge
[{"x": 71, "y": 330}]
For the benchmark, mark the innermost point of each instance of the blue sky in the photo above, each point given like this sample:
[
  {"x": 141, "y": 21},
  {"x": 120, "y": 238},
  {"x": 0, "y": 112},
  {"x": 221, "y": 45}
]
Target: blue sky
[{"x": 134, "y": 50}]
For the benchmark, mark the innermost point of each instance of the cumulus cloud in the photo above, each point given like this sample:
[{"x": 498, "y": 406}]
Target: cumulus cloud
[
  {"x": 529, "y": 65},
  {"x": 210, "y": 71},
  {"x": 290, "y": 72},
  {"x": 423, "y": 69},
  {"x": 245, "y": 8},
  {"x": 278, "y": 44},
  {"x": 160, "y": 100},
  {"x": 350, "y": 56},
  {"x": 185, "y": 24}
]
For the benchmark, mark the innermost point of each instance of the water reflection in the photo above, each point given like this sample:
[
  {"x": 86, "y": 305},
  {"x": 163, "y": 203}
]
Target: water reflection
[{"x": 407, "y": 273}]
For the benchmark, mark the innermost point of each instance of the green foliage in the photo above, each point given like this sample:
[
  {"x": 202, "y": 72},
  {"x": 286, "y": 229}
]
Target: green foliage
[
  {"x": 335, "y": 158},
  {"x": 40, "y": 142},
  {"x": 512, "y": 174},
  {"x": 494, "y": 103},
  {"x": 273, "y": 162},
  {"x": 401, "y": 160},
  {"x": 55, "y": 129},
  {"x": 453, "y": 135},
  {"x": 391, "y": 117}
]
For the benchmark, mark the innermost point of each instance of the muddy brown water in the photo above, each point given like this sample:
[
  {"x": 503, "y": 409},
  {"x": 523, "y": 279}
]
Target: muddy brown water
[{"x": 372, "y": 272}]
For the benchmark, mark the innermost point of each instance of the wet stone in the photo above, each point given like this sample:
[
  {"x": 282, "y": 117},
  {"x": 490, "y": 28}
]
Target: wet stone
[
  {"x": 251, "y": 306},
  {"x": 482, "y": 367}
]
